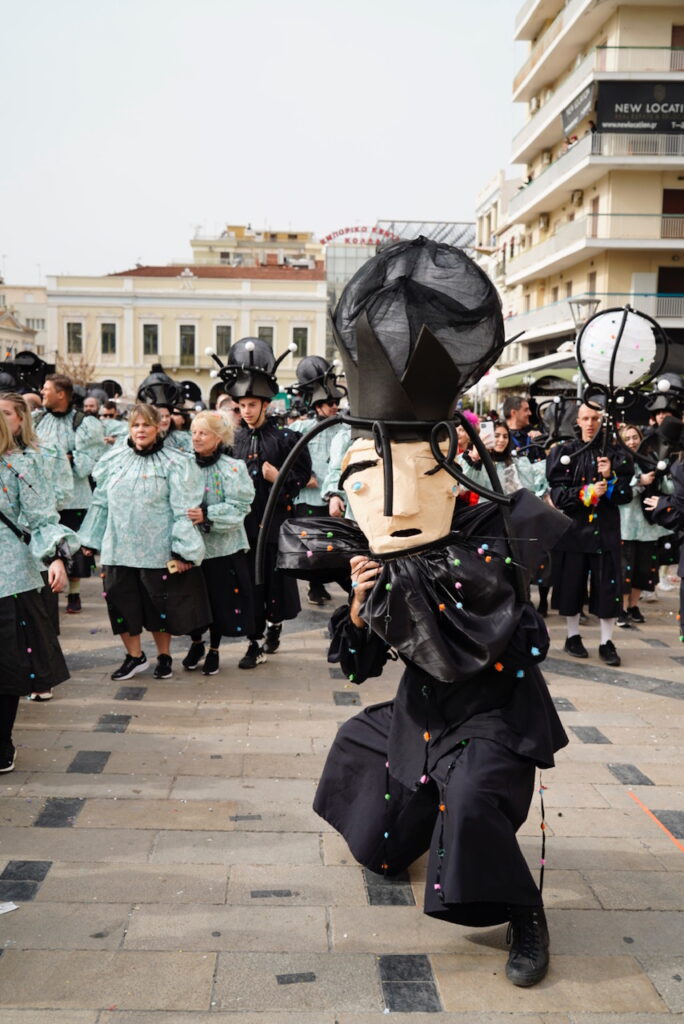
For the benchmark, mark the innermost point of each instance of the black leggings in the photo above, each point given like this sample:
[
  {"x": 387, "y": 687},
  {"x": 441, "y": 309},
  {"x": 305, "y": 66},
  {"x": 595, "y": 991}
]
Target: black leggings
[
  {"x": 9, "y": 705},
  {"x": 214, "y": 637}
]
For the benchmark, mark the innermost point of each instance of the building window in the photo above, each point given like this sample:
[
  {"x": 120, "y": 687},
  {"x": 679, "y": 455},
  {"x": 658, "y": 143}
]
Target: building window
[
  {"x": 150, "y": 339},
  {"x": 591, "y": 282},
  {"x": 223, "y": 339},
  {"x": 108, "y": 339},
  {"x": 266, "y": 334},
  {"x": 36, "y": 324},
  {"x": 224, "y": 258},
  {"x": 300, "y": 336},
  {"x": 554, "y": 293},
  {"x": 187, "y": 345},
  {"x": 568, "y": 289},
  {"x": 74, "y": 339}
]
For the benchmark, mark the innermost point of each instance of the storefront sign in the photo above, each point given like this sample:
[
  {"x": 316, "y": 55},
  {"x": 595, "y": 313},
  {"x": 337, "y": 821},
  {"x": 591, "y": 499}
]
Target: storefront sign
[
  {"x": 578, "y": 109},
  {"x": 640, "y": 107},
  {"x": 360, "y": 236}
]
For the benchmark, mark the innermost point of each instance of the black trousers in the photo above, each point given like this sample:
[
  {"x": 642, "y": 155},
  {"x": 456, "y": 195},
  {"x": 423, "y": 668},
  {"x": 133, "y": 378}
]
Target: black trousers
[
  {"x": 573, "y": 571},
  {"x": 278, "y": 597},
  {"x": 467, "y": 815}
]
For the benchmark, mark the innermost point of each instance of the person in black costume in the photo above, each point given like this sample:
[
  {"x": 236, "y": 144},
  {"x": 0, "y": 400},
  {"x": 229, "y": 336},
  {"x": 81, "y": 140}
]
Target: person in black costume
[
  {"x": 249, "y": 378},
  {"x": 449, "y": 764},
  {"x": 589, "y": 480}
]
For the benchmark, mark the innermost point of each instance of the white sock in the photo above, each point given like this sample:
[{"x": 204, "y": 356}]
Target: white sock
[
  {"x": 572, "y": 622},
  {"x": 606, "y": 629}
]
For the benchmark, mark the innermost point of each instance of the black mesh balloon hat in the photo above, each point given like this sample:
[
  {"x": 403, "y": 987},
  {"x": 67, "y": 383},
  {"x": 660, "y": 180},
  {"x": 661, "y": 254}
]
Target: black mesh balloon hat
[
  {"x": 619, "y": 353},
  {"x": 250, "y": 369},
  {"x": 159, "y": 389},
  {"x": 317, "y": 381},
  {"x": 416, "y": 326}
]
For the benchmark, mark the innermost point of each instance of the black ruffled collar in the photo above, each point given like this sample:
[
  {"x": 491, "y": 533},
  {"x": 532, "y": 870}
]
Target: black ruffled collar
[
  {"x": 151, "y": 450},
  {"x": 209, "y": 460}
]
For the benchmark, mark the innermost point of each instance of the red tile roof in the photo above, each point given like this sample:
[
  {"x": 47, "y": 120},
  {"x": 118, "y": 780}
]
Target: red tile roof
[{"x": 271, "y": 273}]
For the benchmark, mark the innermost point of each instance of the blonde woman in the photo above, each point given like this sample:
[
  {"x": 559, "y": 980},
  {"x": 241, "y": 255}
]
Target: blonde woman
[
  {"x": 150, "y": 549},
  {"x": 30, "y": 656},
  {"x": 228, "y": 496}
]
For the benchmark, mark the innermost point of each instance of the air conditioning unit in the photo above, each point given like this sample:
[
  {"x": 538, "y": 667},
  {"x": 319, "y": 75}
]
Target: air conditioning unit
[
  {"x": 577, "y": 197},
  {"x": 543, "y": 222},
  {"x": 534, "y": 105},
  {"x": 546, "y": 157}
]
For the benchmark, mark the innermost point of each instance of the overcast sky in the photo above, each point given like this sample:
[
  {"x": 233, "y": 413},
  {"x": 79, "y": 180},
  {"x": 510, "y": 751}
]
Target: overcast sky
[{"x": 127, "y": 124}]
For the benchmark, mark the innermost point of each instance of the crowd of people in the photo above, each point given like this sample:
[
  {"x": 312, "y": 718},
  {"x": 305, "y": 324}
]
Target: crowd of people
[{"x": 171, "y": 500}]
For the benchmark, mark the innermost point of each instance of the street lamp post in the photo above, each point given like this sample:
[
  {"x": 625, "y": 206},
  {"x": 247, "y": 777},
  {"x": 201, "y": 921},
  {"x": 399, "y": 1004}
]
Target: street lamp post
[{"x": 582, "y": 309}]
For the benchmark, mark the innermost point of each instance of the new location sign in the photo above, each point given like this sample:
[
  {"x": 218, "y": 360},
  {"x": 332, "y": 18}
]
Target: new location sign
[{"x": 640, "y": 107}]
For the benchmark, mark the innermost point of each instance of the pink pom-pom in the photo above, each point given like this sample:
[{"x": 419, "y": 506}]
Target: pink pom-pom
[{"x": 437, "y": 887}]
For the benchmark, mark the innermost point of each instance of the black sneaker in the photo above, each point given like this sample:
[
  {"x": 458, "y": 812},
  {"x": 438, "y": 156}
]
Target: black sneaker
[
  {"x": 163, "y": 668},
  {"x": 211, "y": 663},
  {"x": 608, "y": 653},
  {"x": 7, "y": 759},
  {"x": 73, "y": 604},
  {"x": 528, "y": 935},
  {"x": 575, "y": 647},
  {"x": 253, "y": 657},
  {"x": 635, "y": 615},
  {"x": 315, "y": 597},
  {"x": 272, "y": 641},
  {"x": 623, "y": 620},
  {"x": 130, "y": 667},
  {"x": 325, "y": 595},
  {"x": 194, "y": 656}
]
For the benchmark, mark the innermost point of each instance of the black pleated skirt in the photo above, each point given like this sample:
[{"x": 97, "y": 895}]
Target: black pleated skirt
[
  {"x": 156, "y": 600},
  {"x": 230, "y": 591},
  {"x": 30, "y": 656}
]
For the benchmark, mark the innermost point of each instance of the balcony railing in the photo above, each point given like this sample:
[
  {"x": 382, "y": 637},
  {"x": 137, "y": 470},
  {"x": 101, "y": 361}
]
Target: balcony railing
[
  {"x": 639, "y": 58},
  {"x": 661, "y": 305},
  {"x": 547, "y": 178},
  {"x": 546, "y": 39},
  {"x": 643, "y": 227},
  {"x": 628, "y": 144},
  {"x": 605, "y": 144},
  {"x": 621, "y": 59}
]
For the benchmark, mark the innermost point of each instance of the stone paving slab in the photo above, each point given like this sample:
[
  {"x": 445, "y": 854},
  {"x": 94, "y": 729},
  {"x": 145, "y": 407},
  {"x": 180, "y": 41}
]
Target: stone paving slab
[
  {"x": 63, "y": 926},
  {"x": 614, "y": 984},
  {"x": 157, "y": 814},
  {"x": 295, "y": 885},
  {"x": 68, "y": 844},
  {"x": 134, "y": 883},
  {"x": 667, "y": 975},
  {"x": 240, "y": 929},
  {"x": 235, "y": 848},
  {"x": 341, "y": 982},
  {"x": 189, "y": 762},
  {"x": 62, "y": 979},
  {"x": 630, "y": 890},
  {"x": 126, "y": 786}
]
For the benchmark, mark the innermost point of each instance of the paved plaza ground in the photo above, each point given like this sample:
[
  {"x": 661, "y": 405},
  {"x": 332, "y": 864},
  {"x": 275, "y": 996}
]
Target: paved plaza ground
[{"x": 159, "y": 842}]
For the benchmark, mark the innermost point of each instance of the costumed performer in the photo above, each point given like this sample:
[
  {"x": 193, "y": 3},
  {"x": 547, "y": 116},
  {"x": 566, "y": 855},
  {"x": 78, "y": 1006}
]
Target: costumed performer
[
  {"x": 249, "y": 377},
  {"x": 60, "y": 424},
  {"x": 227, "y": 499},
  {"x": 150, "y": 550},
  {"x": 447, "y": 765},
  {"x": 31, "y": 659}
]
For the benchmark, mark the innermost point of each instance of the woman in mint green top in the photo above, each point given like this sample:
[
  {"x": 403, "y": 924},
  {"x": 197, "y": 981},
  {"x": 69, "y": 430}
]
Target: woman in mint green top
[
  {"x": 150, "y": 549},
  {"x": 228, "y": 496}
]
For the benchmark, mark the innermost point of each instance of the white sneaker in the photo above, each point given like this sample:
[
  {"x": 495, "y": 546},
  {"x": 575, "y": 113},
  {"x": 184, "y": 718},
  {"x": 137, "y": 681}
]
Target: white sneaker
[
  {"x": 648, "y": 596},
  {"x": 666, "y": 585}
]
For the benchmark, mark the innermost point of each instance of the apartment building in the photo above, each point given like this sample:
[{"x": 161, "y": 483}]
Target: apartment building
[
  {"x": 239, "y": 245},
  {"x": 27, "y": 305},
  {"x": 599, "y": 210}
]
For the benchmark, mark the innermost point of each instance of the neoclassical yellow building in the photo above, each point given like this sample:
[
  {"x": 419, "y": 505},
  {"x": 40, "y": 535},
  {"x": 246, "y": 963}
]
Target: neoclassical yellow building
[{"x": 119, "y": 324}]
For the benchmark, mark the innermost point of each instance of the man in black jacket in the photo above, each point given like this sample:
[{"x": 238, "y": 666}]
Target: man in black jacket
[
  {"x": 588, "y": 482},
  {"x": 264, "y": 446}
]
